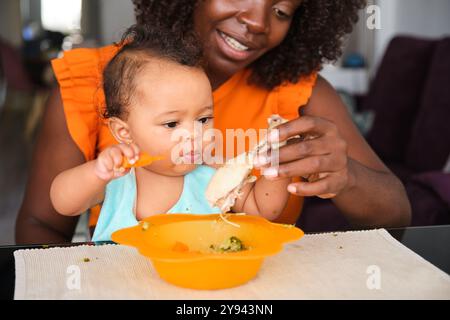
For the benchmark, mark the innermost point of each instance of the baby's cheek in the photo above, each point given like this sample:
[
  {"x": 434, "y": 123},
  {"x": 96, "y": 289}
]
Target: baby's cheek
[{"x": 169, "y": 150}]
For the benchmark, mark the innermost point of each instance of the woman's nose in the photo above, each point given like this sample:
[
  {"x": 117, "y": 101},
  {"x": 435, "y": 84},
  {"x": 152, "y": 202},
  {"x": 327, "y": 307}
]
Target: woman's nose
[{"x": 256, "y": 16}]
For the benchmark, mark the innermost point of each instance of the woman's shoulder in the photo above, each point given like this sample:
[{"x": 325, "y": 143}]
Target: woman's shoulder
[
  {"x": 82, "y": 63},
  {"x": 324, "y": 98},
  {"x": 291, "y": 96},
  {"x": 326, "y": 103},
  {"x": 79, "y": 75}
]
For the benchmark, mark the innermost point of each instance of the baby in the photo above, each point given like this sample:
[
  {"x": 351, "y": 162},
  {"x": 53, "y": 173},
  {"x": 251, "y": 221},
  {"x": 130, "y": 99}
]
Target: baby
[{"x": 154, "y": 86}]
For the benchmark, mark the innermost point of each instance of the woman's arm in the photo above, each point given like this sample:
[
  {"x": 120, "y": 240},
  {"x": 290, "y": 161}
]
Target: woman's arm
[
  {"x": 365, "y": 190},
  {"x": 55, "y": 151}
]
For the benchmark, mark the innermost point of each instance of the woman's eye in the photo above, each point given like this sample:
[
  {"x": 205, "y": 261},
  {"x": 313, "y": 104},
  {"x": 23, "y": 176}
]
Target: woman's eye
[
  {"x": 205, "y": 120},
  {"x": 171, "y": 125},
  {"x": 281, "y": 14}
]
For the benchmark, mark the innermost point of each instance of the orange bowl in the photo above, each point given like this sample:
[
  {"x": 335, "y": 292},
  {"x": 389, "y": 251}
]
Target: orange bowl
[{"x": 179, "y": 247}]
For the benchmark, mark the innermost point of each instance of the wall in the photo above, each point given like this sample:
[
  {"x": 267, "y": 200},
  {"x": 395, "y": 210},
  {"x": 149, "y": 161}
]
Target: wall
[
  {"x": 115, "y": 17},
  {"x": 10, "y": 22}
]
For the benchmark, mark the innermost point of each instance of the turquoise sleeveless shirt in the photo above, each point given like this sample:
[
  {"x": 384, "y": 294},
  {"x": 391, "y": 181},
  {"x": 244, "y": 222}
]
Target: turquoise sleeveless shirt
[{"x": 118, "y": 209}]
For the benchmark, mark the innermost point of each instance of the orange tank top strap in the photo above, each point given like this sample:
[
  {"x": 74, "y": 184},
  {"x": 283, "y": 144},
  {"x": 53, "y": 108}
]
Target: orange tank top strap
[
  {"x": 292, "y": 96},
  {"x": 79, "y": 74}
]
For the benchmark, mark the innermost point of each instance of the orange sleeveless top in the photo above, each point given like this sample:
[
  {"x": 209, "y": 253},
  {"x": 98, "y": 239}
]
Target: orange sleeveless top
[{"x": 237, "y": 105}]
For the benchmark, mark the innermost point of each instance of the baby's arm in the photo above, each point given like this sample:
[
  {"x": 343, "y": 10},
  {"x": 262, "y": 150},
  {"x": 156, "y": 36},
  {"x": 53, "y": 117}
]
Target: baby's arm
[
  {"x": 266, "y": 198},
  {"x": 76, "y": 190}
]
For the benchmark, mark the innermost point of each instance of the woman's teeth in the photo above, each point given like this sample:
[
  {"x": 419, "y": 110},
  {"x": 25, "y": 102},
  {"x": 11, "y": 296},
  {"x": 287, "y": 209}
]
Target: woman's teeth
[{"x": 233, "y": 43}]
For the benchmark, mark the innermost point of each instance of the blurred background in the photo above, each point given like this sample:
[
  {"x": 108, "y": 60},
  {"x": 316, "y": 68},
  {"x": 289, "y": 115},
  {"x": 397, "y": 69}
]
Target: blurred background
[{"x": 394, "y": 79}]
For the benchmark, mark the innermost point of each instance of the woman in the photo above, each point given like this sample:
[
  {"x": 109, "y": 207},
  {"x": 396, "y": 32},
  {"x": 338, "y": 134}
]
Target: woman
[{"x": 262, "y": 58}]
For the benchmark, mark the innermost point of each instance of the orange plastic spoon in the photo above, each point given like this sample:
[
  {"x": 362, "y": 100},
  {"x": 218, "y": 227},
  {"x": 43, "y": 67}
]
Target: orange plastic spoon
[{"x": 144, "y": 160}]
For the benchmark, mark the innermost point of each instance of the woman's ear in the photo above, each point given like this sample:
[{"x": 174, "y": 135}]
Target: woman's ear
[{"x": 120, "y": 130}]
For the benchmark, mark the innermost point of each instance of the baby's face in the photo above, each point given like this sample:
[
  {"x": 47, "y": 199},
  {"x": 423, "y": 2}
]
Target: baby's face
[{"x": 171, "y": 100}]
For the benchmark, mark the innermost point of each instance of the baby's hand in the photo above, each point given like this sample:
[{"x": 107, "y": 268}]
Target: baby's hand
[{"x": 108, "y": 165}]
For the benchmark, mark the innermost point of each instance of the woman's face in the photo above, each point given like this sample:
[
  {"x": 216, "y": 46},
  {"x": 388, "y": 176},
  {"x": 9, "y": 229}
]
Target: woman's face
[{"x": 235, "y": 33}]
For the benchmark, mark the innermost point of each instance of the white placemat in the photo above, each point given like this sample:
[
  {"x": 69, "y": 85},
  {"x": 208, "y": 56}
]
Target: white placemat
[{"x": 351, "y": 265}]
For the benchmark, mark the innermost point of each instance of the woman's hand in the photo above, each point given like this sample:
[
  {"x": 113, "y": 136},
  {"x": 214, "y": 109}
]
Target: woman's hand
[
  {"x": 316, "y": 151},
  {"x": 108, "y": 164}
]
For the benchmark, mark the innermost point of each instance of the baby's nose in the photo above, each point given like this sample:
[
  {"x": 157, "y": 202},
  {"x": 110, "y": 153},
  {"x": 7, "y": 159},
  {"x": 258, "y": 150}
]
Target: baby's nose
[{"x": 193, "y": 141}]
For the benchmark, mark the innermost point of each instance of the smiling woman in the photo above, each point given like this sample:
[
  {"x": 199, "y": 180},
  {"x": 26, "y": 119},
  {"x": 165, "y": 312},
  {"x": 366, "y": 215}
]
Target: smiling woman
[{"x": 262, "y": 58}]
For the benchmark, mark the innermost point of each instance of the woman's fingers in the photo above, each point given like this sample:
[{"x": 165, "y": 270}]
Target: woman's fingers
[
  {"x": 320, "y": 137},
  {"x": 307, "y": 148},
  {"x": 327, "y": 187},
  {"x": 294, "y": 151},
  {"x": 307, "y": 166},
  {"x": 301, "y": 126},
  {"x": 320, "y": 156}
]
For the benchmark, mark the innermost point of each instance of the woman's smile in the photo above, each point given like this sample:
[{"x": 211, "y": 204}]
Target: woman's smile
[{"x": 233, "y": 47}]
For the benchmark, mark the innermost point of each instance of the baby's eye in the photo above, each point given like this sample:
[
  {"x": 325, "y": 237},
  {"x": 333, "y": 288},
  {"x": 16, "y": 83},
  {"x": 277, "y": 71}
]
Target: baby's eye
[
  {"x": 281, "y": 14},
  {"x": 205, "y": 120},
  {"x": 171, "y": 125}
]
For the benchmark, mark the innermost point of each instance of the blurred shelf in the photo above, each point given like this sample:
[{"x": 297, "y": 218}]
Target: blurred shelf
[{"x": 354, "y": 81}]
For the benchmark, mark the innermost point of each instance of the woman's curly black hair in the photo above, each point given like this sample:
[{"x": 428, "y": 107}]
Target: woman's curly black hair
[
  {"x": 140, "y": 45},
  {"x": 316, "y": 35}
]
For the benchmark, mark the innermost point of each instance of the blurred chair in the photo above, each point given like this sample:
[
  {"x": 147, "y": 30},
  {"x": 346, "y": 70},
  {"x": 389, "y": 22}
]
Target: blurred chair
[{"x": 410, "y": 96}]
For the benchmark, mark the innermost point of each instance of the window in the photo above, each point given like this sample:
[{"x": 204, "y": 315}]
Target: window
[{"x": 61, "y": 15}]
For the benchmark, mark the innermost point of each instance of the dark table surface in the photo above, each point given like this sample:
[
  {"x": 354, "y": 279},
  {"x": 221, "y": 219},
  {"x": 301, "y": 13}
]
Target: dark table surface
[{"x": 432, "y": 243}]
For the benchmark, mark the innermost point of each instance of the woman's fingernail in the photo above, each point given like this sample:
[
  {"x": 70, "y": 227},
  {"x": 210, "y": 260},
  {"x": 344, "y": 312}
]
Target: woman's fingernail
[
  {"x": 270, "y": 172},
  {"x": 274, "y": 136},
  {"x": 132, "y": 161},
  {"x": 292, "y": 188}
]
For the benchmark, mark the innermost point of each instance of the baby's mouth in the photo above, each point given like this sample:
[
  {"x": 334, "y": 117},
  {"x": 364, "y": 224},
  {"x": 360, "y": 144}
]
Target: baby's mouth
[{"x": 192, "y": 158}]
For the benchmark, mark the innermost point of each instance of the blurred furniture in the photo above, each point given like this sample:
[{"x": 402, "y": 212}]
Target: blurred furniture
[
  {"x": 18, "y": 92},
  {"x": 2, "y": 86},
  {"x": 15, "y": 73},
  {"x": 411, "y": 133}
]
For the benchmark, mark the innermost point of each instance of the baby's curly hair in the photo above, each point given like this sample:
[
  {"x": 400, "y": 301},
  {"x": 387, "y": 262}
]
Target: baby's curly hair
[
  {"x": 140, "y": 45},
  {"x": 316, "y": 35}
]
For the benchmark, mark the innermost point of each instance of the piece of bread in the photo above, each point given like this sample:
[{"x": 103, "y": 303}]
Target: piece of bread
[{"x": 226, "y": 184}]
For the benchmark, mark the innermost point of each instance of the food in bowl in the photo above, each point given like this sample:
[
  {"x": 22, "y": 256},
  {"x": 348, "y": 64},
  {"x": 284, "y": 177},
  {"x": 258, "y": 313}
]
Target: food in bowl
[{"x": 231, "y": 244}]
